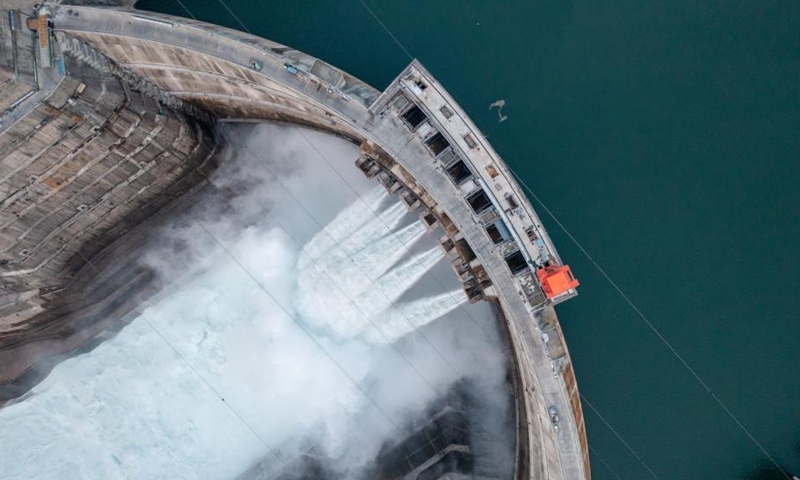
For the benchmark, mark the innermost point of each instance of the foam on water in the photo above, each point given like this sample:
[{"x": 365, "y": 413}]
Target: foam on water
[{"x": 145, "y": 404}]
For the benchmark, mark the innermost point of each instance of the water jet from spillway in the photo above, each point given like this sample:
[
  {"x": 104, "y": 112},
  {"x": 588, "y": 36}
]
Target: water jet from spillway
[
  {"x": 144, "y": 404},
  {"x": 358, "y": 277},
  {"x": 400, "y": 320}
]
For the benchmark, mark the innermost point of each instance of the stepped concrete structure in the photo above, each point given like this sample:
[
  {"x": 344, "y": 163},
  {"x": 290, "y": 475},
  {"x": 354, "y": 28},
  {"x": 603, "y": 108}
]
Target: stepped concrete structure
[
  {"x": 84, "y": 159},
  {"x": 107, "y": 126}
]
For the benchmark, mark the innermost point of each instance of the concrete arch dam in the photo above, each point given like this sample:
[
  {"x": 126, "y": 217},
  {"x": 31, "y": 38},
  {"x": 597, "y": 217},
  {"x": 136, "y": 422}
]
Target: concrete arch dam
[{"x": 82, "y": 106}]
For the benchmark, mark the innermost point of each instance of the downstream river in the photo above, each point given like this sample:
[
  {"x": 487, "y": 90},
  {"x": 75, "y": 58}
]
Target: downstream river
[{"x": 664, "y": 136}]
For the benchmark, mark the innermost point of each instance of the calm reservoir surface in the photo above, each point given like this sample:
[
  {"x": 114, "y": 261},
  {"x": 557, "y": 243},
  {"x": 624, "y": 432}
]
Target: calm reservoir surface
[{"x": 665, "y": 137}]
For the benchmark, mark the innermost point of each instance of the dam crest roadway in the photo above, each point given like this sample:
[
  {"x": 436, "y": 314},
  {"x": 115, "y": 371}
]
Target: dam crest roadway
[{"x": 414, "y": 139}]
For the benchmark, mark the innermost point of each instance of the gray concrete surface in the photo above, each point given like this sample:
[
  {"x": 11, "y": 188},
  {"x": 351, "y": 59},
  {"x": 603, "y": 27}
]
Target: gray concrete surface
[{"x": 83, "y": 160}]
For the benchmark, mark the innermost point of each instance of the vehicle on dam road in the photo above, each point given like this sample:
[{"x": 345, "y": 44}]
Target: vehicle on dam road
[{"x": 553, "y": 416}]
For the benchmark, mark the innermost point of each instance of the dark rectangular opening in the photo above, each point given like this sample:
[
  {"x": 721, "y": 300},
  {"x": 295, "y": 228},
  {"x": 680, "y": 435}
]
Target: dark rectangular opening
[
  {"x": 437, "y": 143},
  {"x": 414, "y": 117},
  {"x": 516, "y": 262},
  {"x": 448, "y": 245},
  {"x": 459, "y": 172},
  {"x": 446, "y": 111},
  {"x": 494, "y": 234},
  {"x": 479, "y": 202},
  {"x": 498, "y": 232},
  {"x": 465, "y": 250}
]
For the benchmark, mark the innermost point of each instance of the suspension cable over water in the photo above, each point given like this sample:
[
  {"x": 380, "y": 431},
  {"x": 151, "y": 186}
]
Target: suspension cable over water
[
  {"x": 236, "y": 17},
  {"x": 655, "y": 330},
  {"x": 619, "y": 437},
  {"x": 377, "y": 19},
  {"x": 603, "y": 461},
  {"x": 633, "y": 306},
  {"x": 186, "y": 9},
  {"x": 622, "y": 294}
]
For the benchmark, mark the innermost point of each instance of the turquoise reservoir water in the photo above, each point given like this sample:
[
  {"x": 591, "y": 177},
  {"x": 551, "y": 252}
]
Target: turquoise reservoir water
[{"x": 664, "y": 136}]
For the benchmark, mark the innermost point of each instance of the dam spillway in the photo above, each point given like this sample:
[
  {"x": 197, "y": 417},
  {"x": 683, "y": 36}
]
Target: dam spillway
[
  {"x": 414, "y": 140},
  {"x": 144, "y": 403}
]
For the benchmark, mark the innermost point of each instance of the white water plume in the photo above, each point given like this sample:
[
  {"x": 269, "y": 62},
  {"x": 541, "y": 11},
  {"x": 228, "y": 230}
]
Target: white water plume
[
  {"x": 349, "y": 223},
  {"x": 218, "y": 373},
  {"x": 376, "y": 257},
  {"x": 395, "y": 282},
  {"x": 402, "y": 319},
  {"x": 343, "y": 299}
]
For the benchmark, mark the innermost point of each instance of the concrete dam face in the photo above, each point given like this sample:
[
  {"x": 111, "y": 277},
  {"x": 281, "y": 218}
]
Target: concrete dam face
[{"x": 189, "y": 293}]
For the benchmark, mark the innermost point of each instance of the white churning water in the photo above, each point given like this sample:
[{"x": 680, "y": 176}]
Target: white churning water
[{"x": 146, "y": 404}]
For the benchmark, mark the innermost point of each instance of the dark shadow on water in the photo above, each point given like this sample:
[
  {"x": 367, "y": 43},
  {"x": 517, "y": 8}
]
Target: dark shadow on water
[{"x": 766, "y": 470}]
